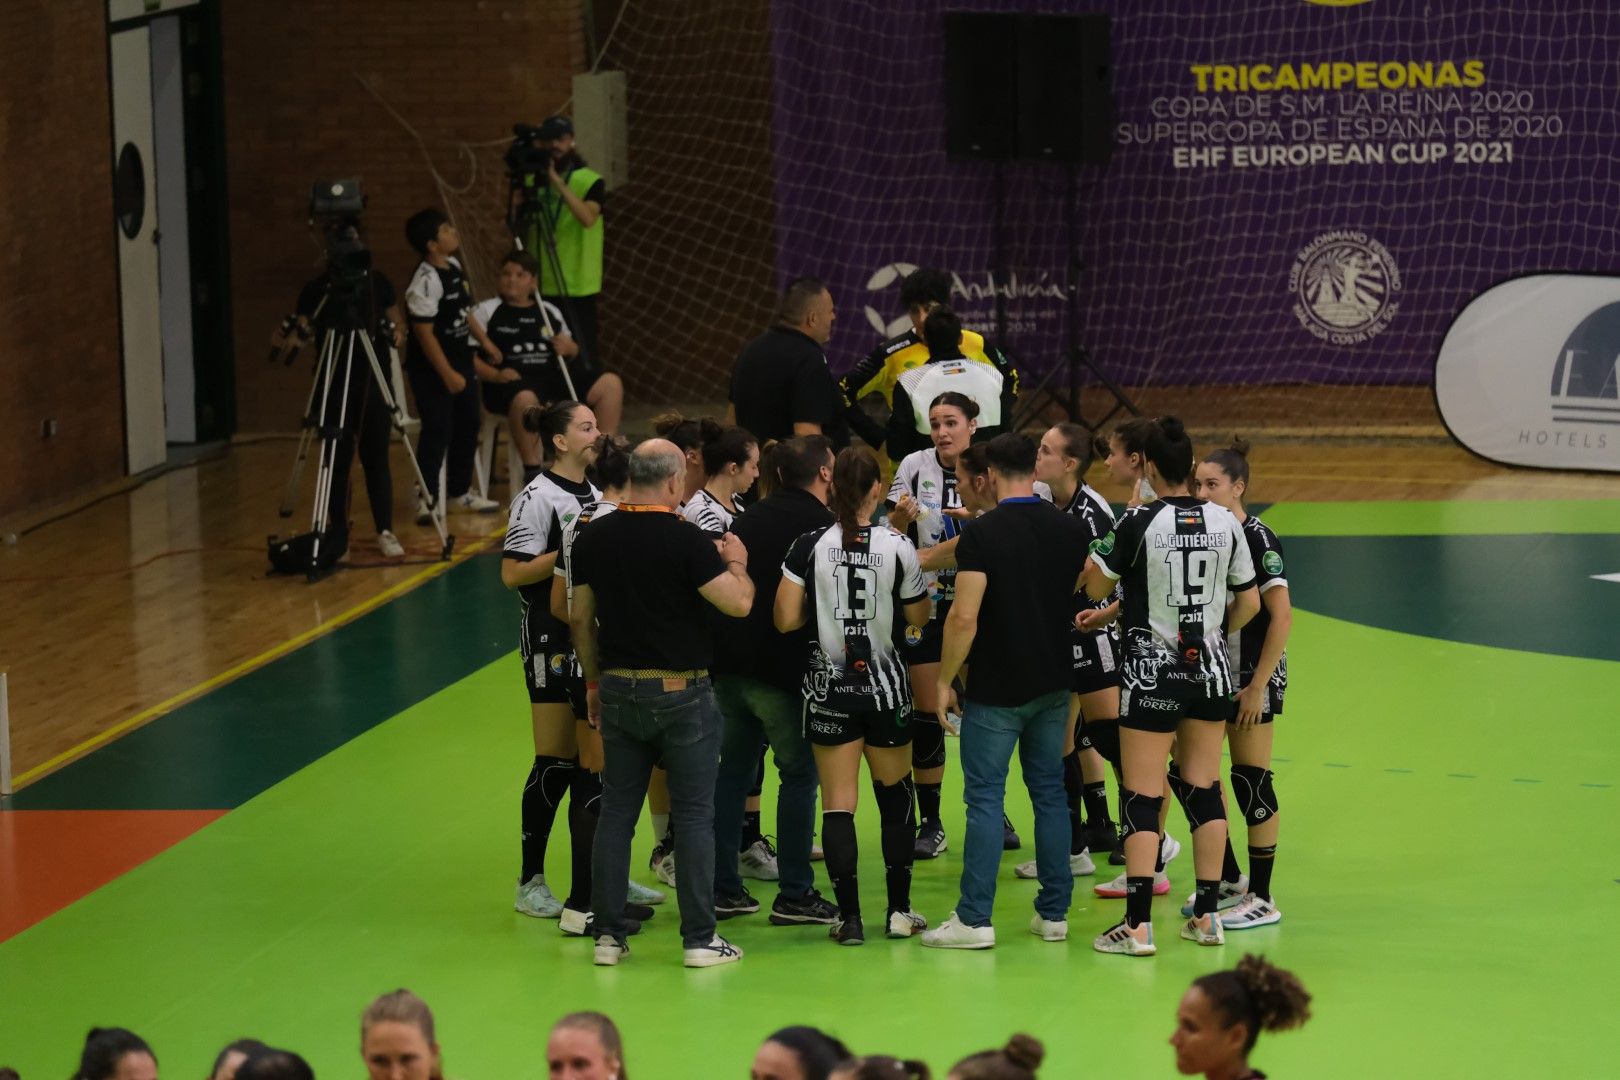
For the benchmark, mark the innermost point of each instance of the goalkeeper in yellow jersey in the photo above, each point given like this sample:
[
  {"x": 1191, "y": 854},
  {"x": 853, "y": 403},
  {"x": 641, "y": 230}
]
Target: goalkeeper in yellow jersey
[{"x": 922, "y": 291}]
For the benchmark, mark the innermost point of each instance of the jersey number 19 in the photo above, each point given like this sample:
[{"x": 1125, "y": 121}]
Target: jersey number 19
[{"x": 1192, "y": 577}]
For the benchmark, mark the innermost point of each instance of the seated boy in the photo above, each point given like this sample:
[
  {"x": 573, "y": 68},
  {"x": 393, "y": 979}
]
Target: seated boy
[{"x": 442, "y": 364}]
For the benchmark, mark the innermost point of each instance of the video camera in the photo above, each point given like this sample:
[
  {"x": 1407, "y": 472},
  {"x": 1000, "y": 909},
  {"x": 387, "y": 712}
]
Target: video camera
[{"x": 529, "y": 152}]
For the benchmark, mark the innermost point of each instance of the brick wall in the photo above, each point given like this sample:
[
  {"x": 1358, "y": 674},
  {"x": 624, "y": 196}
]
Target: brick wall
[
  {"x": 59, "y": 350},
  {"x": 295, "y": 113}
]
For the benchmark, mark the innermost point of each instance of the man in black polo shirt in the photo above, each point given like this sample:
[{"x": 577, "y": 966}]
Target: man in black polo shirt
[
  {"x": 781, "y": 386},
  {"x": 758, "y": 674},
  {"x": 1017, "y": 568},
  {"x": 644, "y": 580}
]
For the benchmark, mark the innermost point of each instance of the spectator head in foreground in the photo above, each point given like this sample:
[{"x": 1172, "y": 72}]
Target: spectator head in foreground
[
  {"x": 798, "y": 1053},
  {"x": 272, "y": 1064},
  {"x": 1018, "y": 1060},
  {"x": 397, "y": 1040},
  {"x": 230, "y": 1059},
  {"x": 116, "y": 1054},
  {"x": 1223, "y": 1013},
  {"x": 585, "y": 1046}
]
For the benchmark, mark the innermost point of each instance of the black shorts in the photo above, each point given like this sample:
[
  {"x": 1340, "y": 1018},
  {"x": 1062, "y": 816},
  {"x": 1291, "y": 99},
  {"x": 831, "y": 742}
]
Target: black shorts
[
  {"x": 830, "y": 727},
  {"x": 1162, "y": 710},
  {"x": 1096, "y": 662},
  {"x": 554, "y": 678},
  {"x": 920, "y": 644},
  {"x": 548, "y": 388},
  {"x": 1271, "y": 708}
]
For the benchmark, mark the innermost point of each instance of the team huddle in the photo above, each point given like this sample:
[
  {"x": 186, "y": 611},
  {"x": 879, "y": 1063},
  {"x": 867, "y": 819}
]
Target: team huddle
[{"x": 985, "y": 591}]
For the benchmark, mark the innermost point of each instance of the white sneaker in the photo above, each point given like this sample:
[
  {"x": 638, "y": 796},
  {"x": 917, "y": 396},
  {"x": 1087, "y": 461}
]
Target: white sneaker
[
  {"x": 1251, "y": 911},
  {"x": 663, "y": 865},
  {"x": 1121, "y": 939},
  {"x": 424, "y": 513},
  {"x": 1169, "y": 848},
  {"x": 609, "y": 951},
  {"x": 1204, "y": 929},
  {"x": 903, "y": 924},
  {"x": 1231, "y": 892},
  {"x": 389, "y": 544},
  {"x": 758, "y": 861},
  {"x": 1115, "y": 890},
  {"x": 1049, "y": 929},
  {"x": 951, "y": 934},
  {"x": 572, "y": 922},
  {"x": 1079, "y": 866},
  {"x": 644, "y": 894},
  {"x": 717, "y": 952},
  {"x": 474, "y": 503},
  {"x": 535, "y": 899}
]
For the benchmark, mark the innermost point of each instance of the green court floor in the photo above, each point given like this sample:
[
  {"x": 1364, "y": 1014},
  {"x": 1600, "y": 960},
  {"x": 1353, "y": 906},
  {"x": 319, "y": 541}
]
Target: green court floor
[{"x": 1449, "y": 870}]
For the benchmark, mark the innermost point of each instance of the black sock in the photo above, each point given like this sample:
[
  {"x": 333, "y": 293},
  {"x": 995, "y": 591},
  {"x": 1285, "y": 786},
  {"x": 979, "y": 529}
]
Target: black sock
[
  {"x": 1230, "y": 870},
  {"x": 584, "y": 806},
  {"x": 1073, "y": 787},
  {"x": 1206, "y": 898},
  {"x": 1158, "y": 856},
  {"x": 1096, "y": 800},
  {"x": 928, "y": 802},
  {"x": 899, "y": 832},
  {"x": 530, "y": 472},
  {"x": 750, "y": 830},
  {"x": 1138, "y": 901},
  {"x": 542, "y": 794},
  {"x": 1261, "y": 860},
  {"x": 841, "y": 857}
]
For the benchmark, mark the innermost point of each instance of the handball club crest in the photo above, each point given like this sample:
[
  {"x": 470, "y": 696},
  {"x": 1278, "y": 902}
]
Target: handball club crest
[{"x": 1345, "y": 286}]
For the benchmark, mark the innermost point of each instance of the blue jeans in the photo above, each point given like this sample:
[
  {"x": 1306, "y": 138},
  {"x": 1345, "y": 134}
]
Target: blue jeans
[
  {"x": 989, "y": 733},
  {"x": 642, "y": 723},
  {"x": 758, "y": 712}
]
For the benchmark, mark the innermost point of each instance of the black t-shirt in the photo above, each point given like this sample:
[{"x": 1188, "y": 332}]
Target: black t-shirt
[
  {"x": 370, "y": 311},
  {"x": 781, "y": 378},
  {"x": 751, "y": 646},
  {"x": 645, "y": 569},
  {"x": 1031, "y": 554},
  {"x": 441, "y": 297}
]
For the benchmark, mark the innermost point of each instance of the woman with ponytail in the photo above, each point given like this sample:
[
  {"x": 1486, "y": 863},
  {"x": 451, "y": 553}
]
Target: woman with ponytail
[
  {"x": 1018, "y": 1060},
  {"x": 1176, "y": 559},
  {"x": 1262, "y": 670},
  {"x": 1223, "y": 1013},
  {"x": 852, "y": 581},
  {"x": 730, "y": 467}
]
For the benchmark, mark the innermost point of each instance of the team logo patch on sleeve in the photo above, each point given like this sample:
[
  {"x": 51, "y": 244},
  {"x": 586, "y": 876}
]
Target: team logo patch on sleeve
[
  {"x": 1103, "y": 546},
  {"x": 913, "y": 634},
  {"x": 559, "y": 661},
  {"x": 1272, "y": 562}
]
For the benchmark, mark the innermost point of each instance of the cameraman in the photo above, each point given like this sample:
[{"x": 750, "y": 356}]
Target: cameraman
[
  {"x": 322, "y": 305},
  {"x": 564, "y": 206}
]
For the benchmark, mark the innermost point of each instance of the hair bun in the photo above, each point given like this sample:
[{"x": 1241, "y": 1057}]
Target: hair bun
[
  {"x": 1280, "y": 999},
  {"x": 664, "y": 423},
  {"x": 1172, "y": 428},
  {"x": 1025, "y": 1051},
  {"x": 709, "y": 429},
  {"x": 1240, "y": 447}
]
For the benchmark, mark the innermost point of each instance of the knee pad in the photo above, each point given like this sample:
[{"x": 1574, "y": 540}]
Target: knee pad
[
  {"x": 1202, "y": 805},
  {"x": 1256, "y": 798},
  {"x": 1138, "y": 812},
  {"x": 1103, "y": 737},
  {"x": 894, "y": 801},
  {"x": 927, "y": 742},
  {"x": 1178, "y": 787},
  {"x": 585, "y": 791}
]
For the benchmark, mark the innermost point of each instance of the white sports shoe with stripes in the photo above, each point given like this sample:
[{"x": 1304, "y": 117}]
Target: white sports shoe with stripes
[
  {"x": 1204, "y": 929},
  {"x": 1121, "y": 939},
  {"x": 1231, "y": 893},
  {"x": 1251, "y": 911}
]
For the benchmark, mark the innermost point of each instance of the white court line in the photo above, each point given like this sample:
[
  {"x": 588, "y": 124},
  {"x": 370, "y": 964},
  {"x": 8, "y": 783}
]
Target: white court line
[{"x": 1607, "y": 577}]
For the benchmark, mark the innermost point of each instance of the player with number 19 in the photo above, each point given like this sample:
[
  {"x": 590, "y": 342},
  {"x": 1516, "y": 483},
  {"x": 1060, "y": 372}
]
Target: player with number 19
[
  {"x": 854, "y": 581},
  {"x": 1177, "y": 558}
]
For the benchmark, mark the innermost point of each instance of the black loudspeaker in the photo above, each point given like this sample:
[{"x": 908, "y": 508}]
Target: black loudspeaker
[
  {"x": 981, "y": 86},
  {"x": 1030, "y": 87}
]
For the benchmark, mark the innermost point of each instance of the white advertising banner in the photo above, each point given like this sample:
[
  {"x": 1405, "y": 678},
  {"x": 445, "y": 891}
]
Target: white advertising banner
[{"x": 1529, "y": 373}]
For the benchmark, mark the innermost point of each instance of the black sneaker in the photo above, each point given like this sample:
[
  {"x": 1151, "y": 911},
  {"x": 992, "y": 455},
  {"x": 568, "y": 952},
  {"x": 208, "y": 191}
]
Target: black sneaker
[
  {"x": 627, "y": 928},
  {"x": 812, "y": 907},
  {"x": 1116, "y": 851},
  {"x": 740, "y": 903},
  {"x": 638, "y": 912},
  {"x": 930, "y": 841},
  {"x": 1009, "y": 835},
  {"x": 847, "y": 931}
]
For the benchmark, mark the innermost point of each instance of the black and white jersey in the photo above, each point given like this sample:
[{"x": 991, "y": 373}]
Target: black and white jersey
[
  {"x": 1091, "y": 508},
  {"x": 442, "y": 297},
  {"x": 1266, "y": 552},
  {"x": 589, "y": 512},
  {"x": 707, "y": 512},
  {"x": 924, "y": 478},
  {"x": 1176, "y": 559},
  {"x": 535, "y": 527},
  {"x": 520, "y": 333},
  {"x": 855, "y": 592}
]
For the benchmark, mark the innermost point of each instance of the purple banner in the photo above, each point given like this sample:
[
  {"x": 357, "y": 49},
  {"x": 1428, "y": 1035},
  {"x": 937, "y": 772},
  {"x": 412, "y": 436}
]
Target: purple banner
[{"x": 1302, "y": 191}]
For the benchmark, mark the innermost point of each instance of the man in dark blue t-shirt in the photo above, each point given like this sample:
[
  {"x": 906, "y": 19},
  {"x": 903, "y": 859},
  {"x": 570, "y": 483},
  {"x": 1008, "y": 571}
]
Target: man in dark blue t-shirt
[{"x": 1017, "y": 569}]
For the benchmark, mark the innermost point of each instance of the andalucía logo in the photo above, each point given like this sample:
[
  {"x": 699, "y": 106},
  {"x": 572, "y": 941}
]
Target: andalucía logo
[
  {"x": 1586, "y": 375},
  {"x": 1345, "y": 285}
]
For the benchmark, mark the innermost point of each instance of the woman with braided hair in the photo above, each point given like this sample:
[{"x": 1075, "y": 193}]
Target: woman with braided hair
[{"x": 1223, "y": 1013}]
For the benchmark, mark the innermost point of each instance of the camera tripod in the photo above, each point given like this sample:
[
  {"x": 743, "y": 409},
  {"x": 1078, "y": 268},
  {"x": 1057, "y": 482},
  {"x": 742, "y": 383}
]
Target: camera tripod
[{"x": 335, "y": 370}]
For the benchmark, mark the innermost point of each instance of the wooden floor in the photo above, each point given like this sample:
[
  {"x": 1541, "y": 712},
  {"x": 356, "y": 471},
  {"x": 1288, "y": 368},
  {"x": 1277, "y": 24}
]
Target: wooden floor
[{"x": 120, "y": 611}]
